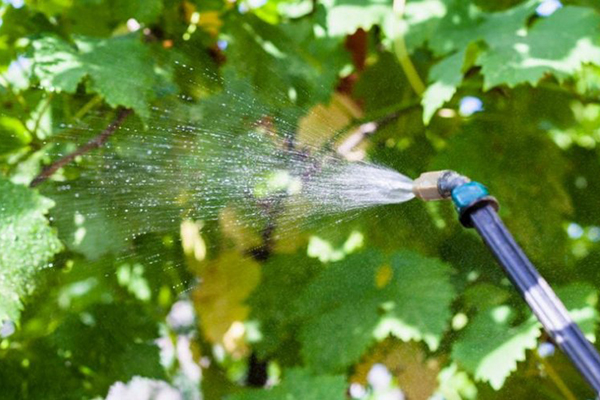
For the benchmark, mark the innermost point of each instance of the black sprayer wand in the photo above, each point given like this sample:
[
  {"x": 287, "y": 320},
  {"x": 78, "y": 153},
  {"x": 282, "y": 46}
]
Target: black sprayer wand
[{"x": 477, "y": 209}]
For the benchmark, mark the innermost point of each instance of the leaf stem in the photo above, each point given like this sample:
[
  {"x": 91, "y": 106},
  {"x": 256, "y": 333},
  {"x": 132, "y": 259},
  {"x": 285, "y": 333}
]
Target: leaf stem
[
  {"x": 87, "y": 107},
  {"x": 555, "y": 377},
  {"x": 18, "y": 97},
  {"x": 402, "y": 53},
  {"x": 38, "y": 119}
]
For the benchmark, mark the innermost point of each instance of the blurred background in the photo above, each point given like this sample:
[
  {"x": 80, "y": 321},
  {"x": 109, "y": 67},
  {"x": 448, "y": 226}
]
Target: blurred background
[{"x": 147, "y": 246}]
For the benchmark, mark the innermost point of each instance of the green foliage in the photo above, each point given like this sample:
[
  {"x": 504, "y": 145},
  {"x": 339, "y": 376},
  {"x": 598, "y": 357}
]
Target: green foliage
[
  {"x": 521, "y": 59},
  {"x": 366, "y": 298},
  {"x": 299, "y": 384},
  {"x": 272, "y": 307},
  {"x": 492, "y": 345},
  {"x": 82, "y": 221},
  {"x": 61, "y": 66},
  {"x": 445, "y": 77},
  {"x": 27, "y": 245},
  {"x": 344, "y": 17},
  {"x": 491, "y": 348},
  {"x": 500, "y": 151},
  {"x": 145, "y": 258}
]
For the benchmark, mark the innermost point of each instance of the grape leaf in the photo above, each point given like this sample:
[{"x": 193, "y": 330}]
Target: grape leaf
[
  {"x": 344, "y": 17},
  {"x": 50, "y": 7},
  {"x": 462, "y": 25},
  {"x": 581, "y": 300},
  {"x": 289, "y": 65},
  {"x": 515, "y": 54},
  {"x": 144, "y": 11},
  {"x": 220, "y": 298},
  {"x": 27, "y": 243},
  {"x": 517, "y": 59},
  {"x": 82, "y": 219},
  {"x": 445, "y": 77},
  {"x": 56, "y": 64},
  {"x": 61, "y": 66},
  {"x": 465, "y": 23},
  {"x": 13, "y": 135},
  {"x": 273, "y": 302},
  {"x": 300, "y": 384},
  {"x": 363, "y": 299},
  {"x": 491, "y": 346},
  {"x": 408, "y": 362}
]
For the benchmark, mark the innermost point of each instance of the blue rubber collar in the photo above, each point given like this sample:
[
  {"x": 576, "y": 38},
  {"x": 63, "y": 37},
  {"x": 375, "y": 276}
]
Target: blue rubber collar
[{"x": 467, "y": 194}]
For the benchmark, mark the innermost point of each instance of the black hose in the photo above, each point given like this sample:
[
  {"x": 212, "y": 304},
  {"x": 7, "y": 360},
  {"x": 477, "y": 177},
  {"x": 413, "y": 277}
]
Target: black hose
[{"x": 535, "y": 291}]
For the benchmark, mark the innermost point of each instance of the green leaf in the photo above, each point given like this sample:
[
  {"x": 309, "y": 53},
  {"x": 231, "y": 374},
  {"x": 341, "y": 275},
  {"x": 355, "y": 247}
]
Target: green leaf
[
  {"x": 273, "y": 302},
  {"x": 144, "y": 11},
  {"x": 344, "y": 17},
  {"x": 27, "y": 244},
  {"x": 220, "y": 300},
  {"x": 289, "y": 66},
  {"x": 421, "y": 18},
  {"x": 50, "y": 7},
  {"x": 57, "y": 64},
  {"x": 526, "y": 58},
  {"x": 464, "y": 23},
  {"x": 61, "y": 66},
  {"x": 484, "y": 295},
  {"x": 581, "y": 300},
  {"x": 363, "y": 299},
  {"x": 300, "y": 384},
  {"x": 13, "y": 135},
  {"x": 445, "y": 76},
  {"x": 514, "y": 53},
  {"x": 112, "y": 341},
  {"x": 490, "y": 347},
  {"x": 82, "y": 219}
]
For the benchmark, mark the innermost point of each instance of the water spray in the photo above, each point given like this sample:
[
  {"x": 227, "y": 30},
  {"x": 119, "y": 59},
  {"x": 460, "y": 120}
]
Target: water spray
[{"x": 477, "y": 209}]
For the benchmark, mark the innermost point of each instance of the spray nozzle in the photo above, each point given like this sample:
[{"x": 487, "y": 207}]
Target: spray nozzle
[{"x": 437, "y": 185}]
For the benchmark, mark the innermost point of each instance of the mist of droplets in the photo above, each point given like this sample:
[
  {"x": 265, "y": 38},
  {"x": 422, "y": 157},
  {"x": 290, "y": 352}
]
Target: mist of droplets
[{"x": 147, "y": 178}]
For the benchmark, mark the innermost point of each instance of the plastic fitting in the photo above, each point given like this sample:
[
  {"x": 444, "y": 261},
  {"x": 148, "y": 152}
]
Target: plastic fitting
[{"x": 437, "y": 185}]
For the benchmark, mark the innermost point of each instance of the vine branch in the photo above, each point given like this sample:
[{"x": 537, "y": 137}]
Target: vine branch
[
  {"x": 362, "y": 128},
  {"x": 96, "y": 142}
]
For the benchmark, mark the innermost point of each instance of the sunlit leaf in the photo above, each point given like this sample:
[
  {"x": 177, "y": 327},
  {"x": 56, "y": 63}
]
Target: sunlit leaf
[
  {"x": 27, "y": 243},
  {"x": 349, "y": 311},
  {"x": 220, "y": 297},
  {"x": 408, "y": 363},
  {"x": 490, "y": 348},
  {"x": 491, "y": 345},
  {"x": 61, "y": 66}
]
